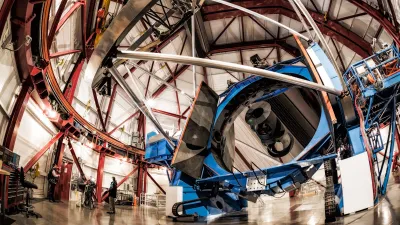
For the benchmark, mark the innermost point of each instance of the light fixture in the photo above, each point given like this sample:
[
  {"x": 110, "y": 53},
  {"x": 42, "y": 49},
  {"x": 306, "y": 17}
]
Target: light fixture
[
  {"x": 50, "y": 113},
  {"x": 150, "y": 102}
]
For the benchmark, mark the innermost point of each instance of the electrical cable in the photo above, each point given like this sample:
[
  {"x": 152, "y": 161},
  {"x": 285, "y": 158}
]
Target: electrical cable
[
  {"x": 384, "y": 158},
  {"x": 235, "y": 176},
  {"x": 251, "y": 167}
]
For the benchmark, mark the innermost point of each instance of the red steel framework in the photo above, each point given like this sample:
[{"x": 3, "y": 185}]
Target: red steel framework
[
  {"x": 328, "y": 27},
  {"x": 23, "y": 15}
]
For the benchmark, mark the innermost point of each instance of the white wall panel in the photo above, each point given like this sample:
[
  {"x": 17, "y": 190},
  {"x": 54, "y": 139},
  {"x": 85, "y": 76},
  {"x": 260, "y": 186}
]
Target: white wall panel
[{"x": 35, "y": 131}]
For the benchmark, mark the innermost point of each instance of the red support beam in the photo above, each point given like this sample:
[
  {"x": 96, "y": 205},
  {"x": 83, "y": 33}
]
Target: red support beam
[
  {"x": 4, "y": 12},
  {"x": 126, "y": 120},
  {"x": 378, "y": 16},
  {"x": 99, "y": 177},
  {"x": 90, "y": 17},
  {"x": 351, "y": 17},
  {"x": 110, "y": 104},
  {"x": 262, "y": 26},
  {"x": 141, "y": 184},
  {"x": 242, "y": 62},
  {"x": 73, "y": 83},
  {"x": 99, "y": 112},
  {"x": 68, "y": 14},
  {"x": 41, "y": 152},
  {"x": 155, "y": 182},
  {"x": 205, "y": 75},
  {"x": 186, "y": 110},
  {"x": 78, "y": 165},
  {"x": 83, "y": 24},
  {"x": 170, "y": 80},
  {"x": 16, "y": 115},
  {"x": 178, "y": 116},
  {"x": 159, "y": 47},
  {"x": 62, "y": 53},
  {"x": 242, "y": 46},
  {"x": 59, "y": 154},
  {"x": 176, "y": 94},
  {"x": 56, "y": 20},
  {"x": 328, "y": 27},
  {"x": 223, "y": 31},
  {"x": 122, "y": 181}
]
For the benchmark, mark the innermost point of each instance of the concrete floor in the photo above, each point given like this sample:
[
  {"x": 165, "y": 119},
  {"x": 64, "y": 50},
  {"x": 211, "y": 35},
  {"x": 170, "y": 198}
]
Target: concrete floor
[{"x": 308, "y": 210}]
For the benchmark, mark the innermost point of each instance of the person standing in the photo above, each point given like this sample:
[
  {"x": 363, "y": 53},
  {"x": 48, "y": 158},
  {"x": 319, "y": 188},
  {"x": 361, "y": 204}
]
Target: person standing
[
  {"x": 53, "y": 176},
  {"x": 112, "y": 194}
]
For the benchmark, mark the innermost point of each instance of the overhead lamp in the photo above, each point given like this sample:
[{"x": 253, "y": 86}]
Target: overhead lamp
[
  {"x": 151, "y": 102},
  {"x": 50, "y": 113}
]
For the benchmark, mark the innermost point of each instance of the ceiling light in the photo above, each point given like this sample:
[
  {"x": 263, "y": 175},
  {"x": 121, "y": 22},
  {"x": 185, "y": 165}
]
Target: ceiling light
[{"x": 150, "y": 102}]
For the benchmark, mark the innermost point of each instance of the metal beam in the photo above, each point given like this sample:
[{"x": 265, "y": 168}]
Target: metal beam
[
  {"x": 387, "y": 25},
  {"x": 330, "y": 28},
  {"x": 155, "y": 182},
  {"x": 42, "y": 151},
  {"x": 178, "y": 116},
  {"x": 351, "y": 17},
  {"x": 16, "y": 115},
  {"x": 226, "y": 66},
  {"x": 223, "y": 31},
  {"x": 59, "y": 154},
  {"x": 99, "y": 177},
  {"x": 68, "y": 15},
  {"x": 110, "y": 104},
  {"x": 56, "y": 20},
  {"x": 99, "y": 111},
  {"x": 83, "y": 30},
  {"x": 62, "y": 53},
  {"x": 141, "y": 179},
  {"x": 72, "y": 82},
  {"x": 170, "y": 80},
  {"x": 78, "y": 165},
  {"x": 242, "y": 46},
  {"x": 119, "y": 125},
  {"x": 4, "y": 12},
  {"x": 260, "y": 25}
]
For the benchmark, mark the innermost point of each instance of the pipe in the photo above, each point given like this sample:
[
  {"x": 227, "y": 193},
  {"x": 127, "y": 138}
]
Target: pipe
[
  {"x": 194, "y": 45},
  {"x": 262, "y": 17},
  {"x": 139, "y": 104},
  {"x": 323, "y": 41},
  {"x": 301, "y": 18},
  {"x": 137, "y": 66},
  {"x": 225, "y": 66}
]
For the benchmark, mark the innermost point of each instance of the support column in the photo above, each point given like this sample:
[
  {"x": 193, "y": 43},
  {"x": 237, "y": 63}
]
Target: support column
[
  {"x": 100, "y": 170},
  {"x": 59, "y": 154},
  {"x": 141, "y": 179},
  {"x": 16, "y": 115}
]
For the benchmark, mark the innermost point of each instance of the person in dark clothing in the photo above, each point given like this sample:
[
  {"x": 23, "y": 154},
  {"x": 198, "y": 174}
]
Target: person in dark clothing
[
  {"x": 53, "y": 176},
  {"x": 112, "y": 194}
]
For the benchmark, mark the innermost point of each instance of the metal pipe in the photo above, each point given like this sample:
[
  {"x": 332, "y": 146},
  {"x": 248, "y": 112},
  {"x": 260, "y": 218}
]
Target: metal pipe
[
  {"x": 323, "y": 41},
  {"x": 137, "y": 66},
  {"x": 194, "y": 45},
  {"x": 134, "y": 80},
  {"x": 139, "y": 104},
  {"x": 301, "y": 18},
  {"x": 225, "y": 66},
  {"x": 262, "y": 17}
]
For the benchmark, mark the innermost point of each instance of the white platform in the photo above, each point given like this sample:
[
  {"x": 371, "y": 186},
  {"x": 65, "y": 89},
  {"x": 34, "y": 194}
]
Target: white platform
[
  {"x": 174, "y": 195},
  {"x": 356, "y": 183}
]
